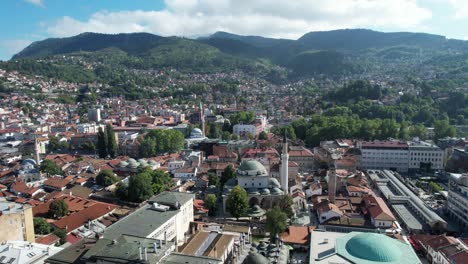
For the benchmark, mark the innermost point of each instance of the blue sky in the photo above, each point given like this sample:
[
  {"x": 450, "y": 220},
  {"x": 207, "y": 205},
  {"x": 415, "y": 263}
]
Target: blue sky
[{"x": 25, "y": 21}]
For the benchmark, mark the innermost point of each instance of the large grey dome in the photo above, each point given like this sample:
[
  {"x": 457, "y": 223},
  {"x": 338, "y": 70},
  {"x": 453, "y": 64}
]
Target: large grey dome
[
  {"x": 251, "y": 168},
  {"x": 196, "y": 133}
]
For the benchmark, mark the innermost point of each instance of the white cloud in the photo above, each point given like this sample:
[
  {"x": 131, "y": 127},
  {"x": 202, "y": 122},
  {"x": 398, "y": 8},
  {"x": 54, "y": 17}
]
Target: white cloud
[
  {"x": 460, "y": 7},
  {"x": 274, "y": 18},
  {"x": 36, "y": 2},
  {"x": 12, "y": 46},
  {"x": 465, "y": 38}
]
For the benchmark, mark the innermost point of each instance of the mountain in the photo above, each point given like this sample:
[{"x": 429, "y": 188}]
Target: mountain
[{"x": 333, "y": 53}]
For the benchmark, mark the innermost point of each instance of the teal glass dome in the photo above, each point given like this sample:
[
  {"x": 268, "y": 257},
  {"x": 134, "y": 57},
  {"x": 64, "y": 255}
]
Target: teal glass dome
[{"x": 373, "y": 247}]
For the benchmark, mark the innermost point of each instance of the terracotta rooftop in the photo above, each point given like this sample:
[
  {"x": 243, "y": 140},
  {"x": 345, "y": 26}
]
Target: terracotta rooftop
[{"x": 296, "y": 235}]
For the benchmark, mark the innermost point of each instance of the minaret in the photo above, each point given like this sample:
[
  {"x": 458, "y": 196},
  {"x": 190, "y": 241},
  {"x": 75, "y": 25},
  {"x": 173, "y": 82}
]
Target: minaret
[
  {"x": 202, "y": 119},
  {"x": 36, "y": 151},
  {"x": 284, "y": 166}
]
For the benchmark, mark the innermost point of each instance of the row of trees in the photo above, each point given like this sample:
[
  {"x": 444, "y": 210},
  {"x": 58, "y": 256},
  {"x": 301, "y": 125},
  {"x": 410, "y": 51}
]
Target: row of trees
[
  {"x": 319, "y": 128},
  {"x": 143, "y": 185},
  {"x": 161, "y": 141},
  {"x": 106, "y": 142}
]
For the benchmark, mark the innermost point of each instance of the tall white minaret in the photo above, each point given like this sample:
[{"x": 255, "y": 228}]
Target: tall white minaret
[
  {"x": 37, "y": 155},
  {"x": 202, "y": 119},
  {"x": 284, "y": 166}
]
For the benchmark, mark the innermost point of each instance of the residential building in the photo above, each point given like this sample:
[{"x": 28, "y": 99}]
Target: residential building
[
  {"x": 16, "y": 222},
  {"x": 441, "y": 249},
  {"x": 302, "y": 156},
  {"x": 213, "y": 244},
  {"x": 457, "y": 200}
]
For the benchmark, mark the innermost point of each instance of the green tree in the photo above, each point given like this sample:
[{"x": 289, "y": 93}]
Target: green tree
[
  {"x": 58, "y": 208},
  {"x": 111, "y": 144},
  {"x": 403, "y": 132},
  {"x": 418, "y": 131},
  {"x": 213, "y": 179},
  {"x": 101, "y": 143},
  {"x": 147, "y": 148},
  {"x": 226, "y": 136},
  {"x": 139, "y": 187},
  {"x": 214, "y": 131},
  {"x": 106, "y": 178},
  {"x": 50, "y": 168},
  {"x": 262, "y": 135},
  {"x": 285, "y": 204},
  {"x": 442, "y": 129},
  {"x": 211, "y": 202},
  {"x": 62, "y": 234},
  {"x": 235, "y": 137},
  {"x": 41, "y": 226},
  {"x": 276, "y": 221},
  {"x": 160, "y": 179},
  {"x": 121, "y": 191},
  {"x": 54, "y": 144},
  {"x": 228, "y": 173},
  {"x": 237, "y": 202}
]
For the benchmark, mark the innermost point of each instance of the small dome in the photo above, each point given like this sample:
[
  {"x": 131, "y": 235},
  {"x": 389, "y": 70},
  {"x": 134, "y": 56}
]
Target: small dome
[
  {"x": 274, "y": 183},
  {"x": 28, "y": 162},
  {"x": 251, "y": 168},
  {"x": 123, "y": 164},
  {"x": 231, "y": 182},
  {"x": 373, "y": 247},
  {"x": 253, "y": 191},
  {"x": 196, "y": 133},
  {"x": 255, "y": 258},
  {"x": 276, "y": 191},
  {"x": 131, "y": 160},
  {"x": 264, "y": 192}
]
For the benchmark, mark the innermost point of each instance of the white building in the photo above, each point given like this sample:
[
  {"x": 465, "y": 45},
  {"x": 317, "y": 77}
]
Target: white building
[
  {"x": 24, "y": 252},
  {"x": 457, "y": 201},
  {"x": 165, "y": 217},
  {"x": 421, "y": 153},
  {"x": 242, "y": 130},
  {"x": 174, "y": 165},
  {"x": 88, "y": 128},
  {"x": 378, "y": 155}
]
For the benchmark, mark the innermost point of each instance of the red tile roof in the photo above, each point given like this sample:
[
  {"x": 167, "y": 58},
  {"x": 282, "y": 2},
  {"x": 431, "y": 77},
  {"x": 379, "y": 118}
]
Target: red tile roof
[
  {"x": 296, "y": 235},
  {"x": 50, "y": 239},
  {"x": 378, "y": 209},
  {"x": 75, "y": 220}
]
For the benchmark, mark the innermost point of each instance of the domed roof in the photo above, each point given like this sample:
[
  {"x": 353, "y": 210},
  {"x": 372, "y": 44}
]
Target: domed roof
[
  {"x": 253, "y": 191},
  {"x": 373, "y": 247},
  {"x": 196, "y": 133},
  {"x": 123, "y": 164},
  {"x": 251, "y": 168},
  {"x": 130, "y": 160},
  {"x": 276, "y": 191},
  {"x": 264, "y": 191},
  {"x": 274, "y": 183},
  {"x": 143, "y": 163},
  {"x": 153, "y": 162},
  {"x": 255, "y": 258},
  {"x": 28, "y": 162}
]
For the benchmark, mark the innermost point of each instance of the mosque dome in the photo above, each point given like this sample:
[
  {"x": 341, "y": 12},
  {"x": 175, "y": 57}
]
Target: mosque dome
[
  {"x": 274, "y": 183},
  {"x": 196, "y": 133},
  {"x": 123, "y": 164},
  {"x": 276, "y": 191},
  {"x": 264, "y": 192},
  {"x": 251, "y": 168},
  {"x": 28, "y": 162},
  {"x": 255, "y": 258}
]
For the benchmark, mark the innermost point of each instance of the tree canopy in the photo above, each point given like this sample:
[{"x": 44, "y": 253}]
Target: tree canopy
[
  {"x": 106, "y": 178},
  {"x": 50, "y": 168},
  {"x": 58, "y": 208},
  {"x": 161, "y": 141},
  {"x": 41, "y": 227},
  {"x": 276, "y": 221},
  {"x": 237, "y": 202},
  {"x": 211, "y": 202}
]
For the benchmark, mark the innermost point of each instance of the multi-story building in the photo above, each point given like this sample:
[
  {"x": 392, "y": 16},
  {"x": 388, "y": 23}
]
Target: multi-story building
[
  {"x": 423, "y": 154},
  {"x": 378, "y": 155},
  {"x": 302, "y": 156},
  {"x": 16, "y": 222},
  {"x": 457, "y": 201},
  {"x": 165, "y": 217},
  {"x": 401, "y": 156}
]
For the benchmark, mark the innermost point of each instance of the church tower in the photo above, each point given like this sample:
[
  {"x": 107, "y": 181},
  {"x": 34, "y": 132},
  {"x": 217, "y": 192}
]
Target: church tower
[{"x": 284, "y": 166}]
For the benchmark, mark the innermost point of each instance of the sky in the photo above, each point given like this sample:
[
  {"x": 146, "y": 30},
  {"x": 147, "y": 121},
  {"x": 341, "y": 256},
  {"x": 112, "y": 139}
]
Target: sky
[{"x": 26, "y": 21}]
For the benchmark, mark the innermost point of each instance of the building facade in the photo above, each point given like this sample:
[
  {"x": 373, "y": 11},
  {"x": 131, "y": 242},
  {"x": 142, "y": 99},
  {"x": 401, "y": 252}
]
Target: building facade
[
  {"x": 16, "y": 222},
  {"x": 457, "y": 201}
]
